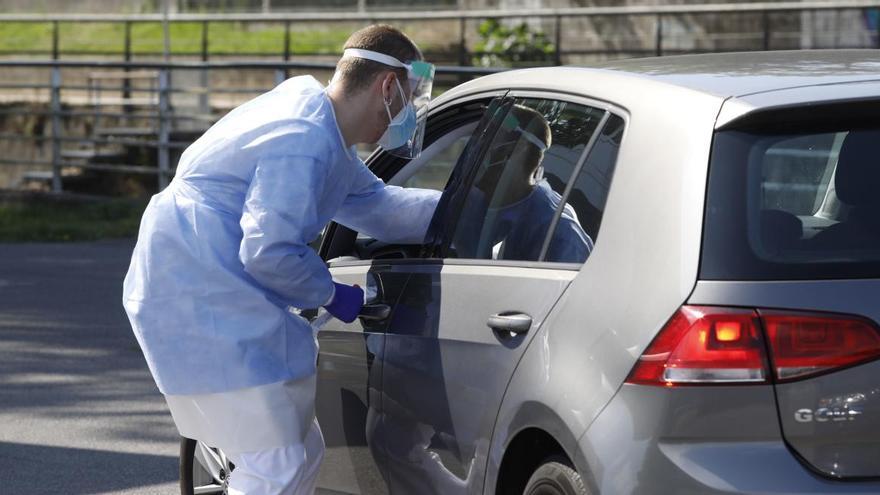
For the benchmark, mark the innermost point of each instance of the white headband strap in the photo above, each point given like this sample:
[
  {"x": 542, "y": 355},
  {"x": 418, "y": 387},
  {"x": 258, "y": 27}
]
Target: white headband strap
[
  {"x": 374, "y": 56},
  {"x": 532, "y": 138}
]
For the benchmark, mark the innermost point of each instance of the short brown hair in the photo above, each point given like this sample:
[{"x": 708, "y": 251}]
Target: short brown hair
[
  {"x": 357, "y": 74},
  {"x": 530, "y": 120}
]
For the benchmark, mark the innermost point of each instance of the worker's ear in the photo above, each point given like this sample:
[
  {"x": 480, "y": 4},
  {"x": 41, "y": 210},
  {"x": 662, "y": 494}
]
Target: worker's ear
[{"x": 387, "y": 86}]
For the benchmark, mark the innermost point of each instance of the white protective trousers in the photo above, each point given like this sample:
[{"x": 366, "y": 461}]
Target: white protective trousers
[
  {"x": 290, "y": 470},
  {"x": 269, "y": 432}
]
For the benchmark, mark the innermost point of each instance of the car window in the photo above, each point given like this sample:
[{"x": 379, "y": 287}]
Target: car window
[
  {"x": 794, "y": 202},
  {"x": 436, "y": 163},
  {"x": 796, "y": 172},
  {"x": 433, "y": 170},
  {"x": 590, "y": 189},
  {"x": 517, "y": 186}
]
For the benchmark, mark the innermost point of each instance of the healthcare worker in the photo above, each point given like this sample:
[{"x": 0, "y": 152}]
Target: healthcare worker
[{"x": 222, "y": 255}]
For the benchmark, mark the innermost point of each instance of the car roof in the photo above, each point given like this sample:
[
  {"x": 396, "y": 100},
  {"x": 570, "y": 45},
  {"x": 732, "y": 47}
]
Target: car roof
[
  {"x": 723, "y": 76},
  {"x": 744, "y": 73}
]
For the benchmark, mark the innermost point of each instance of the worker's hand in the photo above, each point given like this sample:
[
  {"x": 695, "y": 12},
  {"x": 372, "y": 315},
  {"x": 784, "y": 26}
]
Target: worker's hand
[{"x": 346, "y": 303}]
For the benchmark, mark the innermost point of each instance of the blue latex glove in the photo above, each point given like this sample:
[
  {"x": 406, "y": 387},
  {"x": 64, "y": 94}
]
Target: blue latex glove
[{"x": 347, "y": 302}]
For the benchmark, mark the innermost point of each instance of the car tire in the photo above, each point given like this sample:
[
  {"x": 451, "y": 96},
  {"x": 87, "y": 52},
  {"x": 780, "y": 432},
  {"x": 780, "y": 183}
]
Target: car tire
[
  {"x": 555, "y": 477},
  {"x": 194, "y": 473}
]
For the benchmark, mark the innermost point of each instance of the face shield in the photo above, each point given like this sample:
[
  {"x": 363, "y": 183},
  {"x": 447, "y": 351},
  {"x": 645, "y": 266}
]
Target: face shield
[{"x": 406, "y": 129}]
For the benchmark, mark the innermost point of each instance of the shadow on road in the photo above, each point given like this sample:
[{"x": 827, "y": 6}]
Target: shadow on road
[
  {"x": 79, "y": 411},
  {"x": 43, "y": 469}
]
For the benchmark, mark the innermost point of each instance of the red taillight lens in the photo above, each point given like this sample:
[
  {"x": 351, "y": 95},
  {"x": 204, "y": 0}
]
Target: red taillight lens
[
  {"x": 808, "y": 344},
  {"x": 704, "y": 345},
  {"x": 715, "y": 345}
]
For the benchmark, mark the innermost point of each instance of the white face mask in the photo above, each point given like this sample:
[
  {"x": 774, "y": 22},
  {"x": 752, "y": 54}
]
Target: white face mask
[{"x": 401, "y": 127}]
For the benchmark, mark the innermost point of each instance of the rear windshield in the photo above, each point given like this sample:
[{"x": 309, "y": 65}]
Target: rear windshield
[{"x": 795, "y": 196}]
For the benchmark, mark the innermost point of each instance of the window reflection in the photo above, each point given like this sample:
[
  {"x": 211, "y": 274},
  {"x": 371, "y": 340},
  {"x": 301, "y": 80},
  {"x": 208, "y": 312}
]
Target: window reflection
[{"x": 518, "y": 187}]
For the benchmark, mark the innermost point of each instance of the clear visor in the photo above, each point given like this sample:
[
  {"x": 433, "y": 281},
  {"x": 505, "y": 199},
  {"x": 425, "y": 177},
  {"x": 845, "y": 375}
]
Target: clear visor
[
  {"x": 417, "y": 93},
  {"x": 421, "y": 82}
]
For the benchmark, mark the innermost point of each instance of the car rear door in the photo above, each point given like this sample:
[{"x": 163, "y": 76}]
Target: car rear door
[{"x": 497, "y": 263}]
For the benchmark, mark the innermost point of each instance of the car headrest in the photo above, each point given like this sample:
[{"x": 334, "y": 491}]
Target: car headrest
[
  {"x": 780, "y": 230},
  {"x": 857, "y": 179}
]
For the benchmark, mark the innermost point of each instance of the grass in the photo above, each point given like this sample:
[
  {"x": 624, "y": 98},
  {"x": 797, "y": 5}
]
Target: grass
[
  {"x": 57, "y": 221},
  {"x": 186, "y": 38}
]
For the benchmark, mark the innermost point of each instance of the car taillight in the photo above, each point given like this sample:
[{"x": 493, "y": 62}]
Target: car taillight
[
  {"x": 716, "y": 345},
  {"x": 704, "y": 345},
  {"x": 808, "y": 344}
]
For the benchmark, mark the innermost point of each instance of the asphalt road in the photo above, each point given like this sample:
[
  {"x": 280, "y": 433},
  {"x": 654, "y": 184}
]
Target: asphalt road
[{"x": 79, "y": 412}]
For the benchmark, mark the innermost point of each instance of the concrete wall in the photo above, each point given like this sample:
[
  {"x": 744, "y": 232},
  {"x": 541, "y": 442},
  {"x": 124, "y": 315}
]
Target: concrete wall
[{"x": 78, "y": 6}]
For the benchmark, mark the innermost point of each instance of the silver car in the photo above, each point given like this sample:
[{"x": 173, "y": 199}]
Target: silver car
[{"x": 719, "y": 336}]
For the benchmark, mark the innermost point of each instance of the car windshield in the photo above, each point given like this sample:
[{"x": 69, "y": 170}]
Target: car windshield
[{"x": 796, "y": 202}]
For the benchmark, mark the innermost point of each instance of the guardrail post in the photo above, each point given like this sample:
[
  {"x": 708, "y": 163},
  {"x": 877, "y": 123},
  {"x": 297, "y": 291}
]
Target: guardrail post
[
  {"x": 836, "y": 28},
  {"x": 204, "y": 41},
  {"x": 127, "y": 41},
  {"x": 126, "y": 83},
  {"x": 766, "y": 23},
  {"x": 55, "y": 49},
  {"x": 462, "y": 46},
  {"x": 204, "y": 107},
  {"x": 658, "y": 46},
  {"x": 877, "y": 29},
  {"x": 55, "y": 108},
  {"x": 558, "y": 34},
  {"x": 286, "y": 45},
  {"x": 164, "y": 128}
]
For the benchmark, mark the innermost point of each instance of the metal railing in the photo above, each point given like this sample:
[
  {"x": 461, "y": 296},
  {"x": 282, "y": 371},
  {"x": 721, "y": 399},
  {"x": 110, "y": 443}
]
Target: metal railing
[
  {"x": 159, "y": 104},
  {"x": 267, "y": 6},
  {"x": 659, "y": 13},
  {"x": 164, "y": 132}
]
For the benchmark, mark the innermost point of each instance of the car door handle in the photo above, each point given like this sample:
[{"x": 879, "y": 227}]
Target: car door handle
[
  {"x": 375, "y": 312},
  {"x": 510, "y": 321}
]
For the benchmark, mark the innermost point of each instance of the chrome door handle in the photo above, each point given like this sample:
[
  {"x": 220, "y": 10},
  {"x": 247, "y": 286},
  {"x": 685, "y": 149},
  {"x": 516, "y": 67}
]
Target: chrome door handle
[
  {"x": 375, "y": 312},
  {"x": 510, "y": 321}
]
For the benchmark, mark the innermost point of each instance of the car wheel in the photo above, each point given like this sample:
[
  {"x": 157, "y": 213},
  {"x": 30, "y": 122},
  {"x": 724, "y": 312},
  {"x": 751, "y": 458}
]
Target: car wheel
[
  {"x": 203, "y": 469},
  {"x": 555, "y": 477}
]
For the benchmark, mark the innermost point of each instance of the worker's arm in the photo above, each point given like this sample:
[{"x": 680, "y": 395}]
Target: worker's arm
[
  {"x": 279, "y": 219},
  {"x": 388, "y": 213}
]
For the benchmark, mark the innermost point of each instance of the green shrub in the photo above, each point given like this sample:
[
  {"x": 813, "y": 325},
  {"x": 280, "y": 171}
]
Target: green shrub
[{"x": 503, "y": 46}]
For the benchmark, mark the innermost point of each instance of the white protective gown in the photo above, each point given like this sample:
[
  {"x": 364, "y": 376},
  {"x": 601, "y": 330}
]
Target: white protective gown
[{"x": 223, "y": 252}]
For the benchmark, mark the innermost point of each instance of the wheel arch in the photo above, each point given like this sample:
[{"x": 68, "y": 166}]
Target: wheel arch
[{"x": 534, "y": 433}]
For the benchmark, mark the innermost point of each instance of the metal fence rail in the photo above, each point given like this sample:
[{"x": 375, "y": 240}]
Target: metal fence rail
[
  {"x": 163, "y": 117},
  {"x": 659, "y": 13},
  {"x": 145, "y": 91}
]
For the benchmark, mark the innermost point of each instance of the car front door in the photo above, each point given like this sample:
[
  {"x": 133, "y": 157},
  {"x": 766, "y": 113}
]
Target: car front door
[
  {"x": 348, "y": 401},
  {"x": 503, "y": 246}
]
